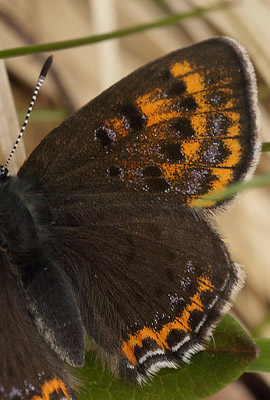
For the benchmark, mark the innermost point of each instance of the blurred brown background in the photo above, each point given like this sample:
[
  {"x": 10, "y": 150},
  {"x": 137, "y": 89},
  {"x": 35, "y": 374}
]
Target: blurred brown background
[{"x": 81, "y": 73}]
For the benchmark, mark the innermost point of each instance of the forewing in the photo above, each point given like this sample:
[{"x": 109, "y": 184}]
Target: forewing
[{"x": 176, "y": 129}]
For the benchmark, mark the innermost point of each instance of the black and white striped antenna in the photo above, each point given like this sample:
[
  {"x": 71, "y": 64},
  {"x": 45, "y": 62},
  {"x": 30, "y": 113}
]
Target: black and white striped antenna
[{"x": 42, "y": 76}]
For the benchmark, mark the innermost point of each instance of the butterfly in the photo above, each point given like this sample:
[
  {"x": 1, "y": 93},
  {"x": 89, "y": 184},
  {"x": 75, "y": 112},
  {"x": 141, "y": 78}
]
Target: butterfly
[{"x": 100, "y": 230}]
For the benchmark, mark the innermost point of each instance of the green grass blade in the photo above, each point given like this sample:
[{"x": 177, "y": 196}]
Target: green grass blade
[
  {"x": 262, "y": 364},
  {"x": 266, "y": 146},
  {"x": 235, "y": 188},
  {"x": 66, "y": 44}
]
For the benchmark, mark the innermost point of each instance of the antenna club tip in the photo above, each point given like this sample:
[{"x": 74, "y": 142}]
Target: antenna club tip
[{"x": 46, "y": 66}]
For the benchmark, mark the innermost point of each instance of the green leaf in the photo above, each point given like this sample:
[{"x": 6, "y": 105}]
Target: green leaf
[{"x": 224, "y": 360}]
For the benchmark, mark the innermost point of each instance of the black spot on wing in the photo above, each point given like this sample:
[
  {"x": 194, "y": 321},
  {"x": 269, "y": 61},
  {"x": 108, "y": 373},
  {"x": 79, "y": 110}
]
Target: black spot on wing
[
  {"x": 189, "y": 104},
  {"x": 174, "y": 337},
  {"x": 182, "y": 128},
  {"x": 177, "y": 89},
  {"x": 166, "y": 75},
  {"x": 152, "y": 171},
  {"x": 132, "y": 114},
  {"x": 114, "y": 172},
  {"x": 159, "y": 185},
  {"x": 104, "y": 136},
  {"x": 172, "y": 152}
]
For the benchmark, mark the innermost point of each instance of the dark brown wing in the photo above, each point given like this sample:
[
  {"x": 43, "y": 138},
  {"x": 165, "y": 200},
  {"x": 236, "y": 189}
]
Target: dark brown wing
[
  {"x": 150, "y": 277},
  {"x": 174, "y": 130},
  {"x": 151, "y": 282}
]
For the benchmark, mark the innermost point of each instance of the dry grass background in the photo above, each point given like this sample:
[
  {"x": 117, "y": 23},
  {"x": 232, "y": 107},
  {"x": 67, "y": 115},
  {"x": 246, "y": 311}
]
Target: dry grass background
[{"x": 80, "y": 74}]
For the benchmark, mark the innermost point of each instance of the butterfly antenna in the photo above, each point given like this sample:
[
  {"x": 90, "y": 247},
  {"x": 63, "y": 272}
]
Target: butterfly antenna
[{"x": 41, "y": 79}]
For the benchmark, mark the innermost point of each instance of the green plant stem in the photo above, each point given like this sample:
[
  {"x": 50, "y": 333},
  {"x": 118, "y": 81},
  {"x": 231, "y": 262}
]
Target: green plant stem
[
  {"x": 48, "y": 115},
  {"x": 266, "y": 146},
  {"x": 257, "y": 331},
  {"x": 262, "y": 363},
  {"x": 238, "y": 187},
  {"x": 65, "y": 44}
]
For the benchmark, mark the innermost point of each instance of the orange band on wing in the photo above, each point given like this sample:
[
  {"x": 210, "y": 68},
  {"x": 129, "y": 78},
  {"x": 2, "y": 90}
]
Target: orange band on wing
[
  {"x": 179, "y": 69},
  {"x": 180, "y": 323},
  {"x": 155, "y": 108},
  {"x": 53, "y": 385}
]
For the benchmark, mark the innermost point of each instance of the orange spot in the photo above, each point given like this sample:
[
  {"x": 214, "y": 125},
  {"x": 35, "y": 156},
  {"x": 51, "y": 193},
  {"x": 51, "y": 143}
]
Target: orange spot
[
  {"x": 143, "y": 334},
  {"x": 179, "y": 69},
  {"x": 234, "y": 130},
  {"x": 128, "y": 350},
  {"x": 48, "y": 387},
  {"x": 118, "y": 126},
  {"x": 195, "y": 83},
  {"x": 155, "y": 108},
  {"x": 198, "y": 123},
  {"x": 205, "y": 284},
  {"x": 171, "y": 171},
  {"x": 196, "y": 303},
  {"x": 226, "y": 81},
  {"x": 180, "y": 323},
  {"x": 234, "y": 116},
  {"x": 191, "y": 149},
  {"x": 224, "y": 176},
  {"x": 221, "y": 89},
  {"x": 235, "y": 149},
  {"x": 228, "y": 105}
]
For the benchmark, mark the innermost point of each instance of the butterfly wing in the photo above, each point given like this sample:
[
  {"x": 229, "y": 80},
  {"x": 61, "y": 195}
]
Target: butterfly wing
[
  {"x": 176, "y": 130},
  {"x": 150, "y": 281},
  {"x": 117, "y": 181}
]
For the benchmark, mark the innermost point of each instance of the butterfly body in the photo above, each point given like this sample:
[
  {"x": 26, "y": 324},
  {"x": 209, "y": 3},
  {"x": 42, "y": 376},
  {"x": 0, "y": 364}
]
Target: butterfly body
[
  {"x": 99, "y": 230},
  {"x": 44, "y": 297}
]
